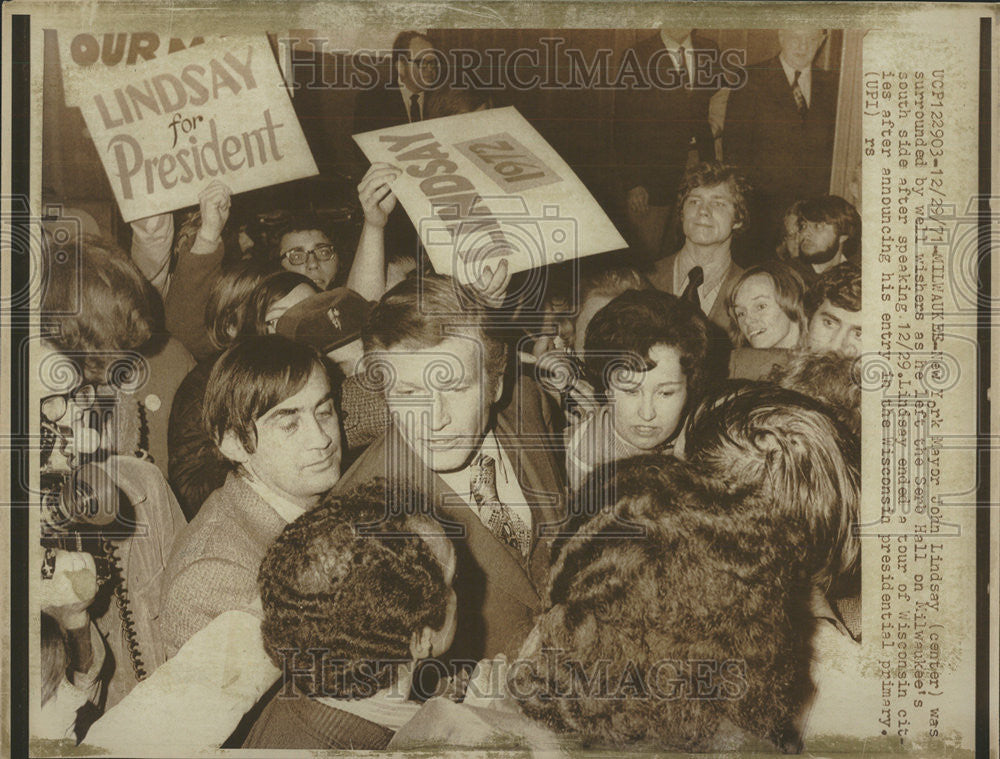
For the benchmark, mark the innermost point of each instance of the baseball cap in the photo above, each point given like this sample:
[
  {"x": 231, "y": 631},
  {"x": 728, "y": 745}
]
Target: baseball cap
[{"x": 327, "y": 320}]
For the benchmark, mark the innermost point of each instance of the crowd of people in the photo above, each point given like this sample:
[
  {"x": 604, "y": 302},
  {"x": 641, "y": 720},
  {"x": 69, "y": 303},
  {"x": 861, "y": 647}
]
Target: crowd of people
[{"x": 368, "y": 507}]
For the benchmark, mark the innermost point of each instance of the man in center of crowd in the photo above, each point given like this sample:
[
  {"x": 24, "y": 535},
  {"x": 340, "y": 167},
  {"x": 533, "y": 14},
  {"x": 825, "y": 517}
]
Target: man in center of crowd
[{"x": 491, "y": 479}]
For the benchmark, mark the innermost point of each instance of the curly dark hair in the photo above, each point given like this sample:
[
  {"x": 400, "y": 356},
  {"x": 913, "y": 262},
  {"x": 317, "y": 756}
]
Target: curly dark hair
[
  {"x": 829, "y": 377},
  {"x": 341, "y": 604},
  {"x": 795, "y": 453},
  {"x": 711, "y": 579},
  {"x": 841, "y": 285},
  {"x": 629, "y": 326}
]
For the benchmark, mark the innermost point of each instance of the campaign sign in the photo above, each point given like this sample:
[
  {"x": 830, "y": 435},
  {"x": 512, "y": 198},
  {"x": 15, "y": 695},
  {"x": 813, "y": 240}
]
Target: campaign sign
[
  {"x": 165, "y": 128},
  {"x": 84, "y": 52},
  {"x": 486, "y": 186}
]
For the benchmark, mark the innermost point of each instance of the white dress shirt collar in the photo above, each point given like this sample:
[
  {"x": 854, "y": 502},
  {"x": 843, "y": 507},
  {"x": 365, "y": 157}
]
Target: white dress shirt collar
[
  {"x": 508, "y": 488},
  {"x": 673, "y": 45},
  {"x": 284, "y": 508},
  {"x": 714, "y": 273},
  {"x": 805, "y": 79},
  {"x": 407, "y": 93}
]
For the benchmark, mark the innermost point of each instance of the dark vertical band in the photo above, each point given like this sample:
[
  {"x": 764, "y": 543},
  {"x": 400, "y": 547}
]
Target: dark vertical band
[
  {"x": 20, "y": 256},
  {"x": 984, "y": 712}
]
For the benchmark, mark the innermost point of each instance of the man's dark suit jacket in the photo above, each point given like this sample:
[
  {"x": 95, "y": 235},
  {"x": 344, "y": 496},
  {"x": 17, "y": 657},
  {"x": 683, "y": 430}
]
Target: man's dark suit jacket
[
  {"x": 785, "y": 157},
  {"x": 379, "y": 106},
  {"x": 662, "y": 278},
  {"x": 653, "y": 127},
  {"x": 498, "y": 593}
]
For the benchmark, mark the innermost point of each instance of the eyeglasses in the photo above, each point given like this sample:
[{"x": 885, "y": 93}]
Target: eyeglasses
[
  {"x": 54, "y": 407},
  {"x": 423, "y": 61},
  {"x": 298, "y": 256}
]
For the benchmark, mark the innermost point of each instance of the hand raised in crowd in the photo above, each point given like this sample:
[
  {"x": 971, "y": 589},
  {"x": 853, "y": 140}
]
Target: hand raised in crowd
[
  {"x": 67, "y": 595},
  {"x": 215, "y": 202},
  {"x": 492, "y": 284},
  {"x": 377, "y": 198},
  {"x": 487, "y": 687},
  {"x": 638, "y": 200},
  {"x": 151, "y": 225}
]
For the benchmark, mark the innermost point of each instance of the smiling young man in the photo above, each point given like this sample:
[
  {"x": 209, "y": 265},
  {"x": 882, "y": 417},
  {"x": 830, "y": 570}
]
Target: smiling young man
[
  {"x": 269, "y": 407},
  {"x": 491, "y": 477},
  {"x": 712, "y": 208}
]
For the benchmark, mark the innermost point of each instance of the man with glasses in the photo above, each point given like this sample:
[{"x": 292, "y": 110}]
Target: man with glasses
[
  {"x": 399, "y": 94},
  {"x": 306, "y": 249}
]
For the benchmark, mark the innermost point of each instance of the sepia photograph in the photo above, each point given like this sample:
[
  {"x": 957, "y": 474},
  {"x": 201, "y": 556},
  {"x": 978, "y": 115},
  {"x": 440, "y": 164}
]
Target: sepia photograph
[{"x": 569, "y": 378}]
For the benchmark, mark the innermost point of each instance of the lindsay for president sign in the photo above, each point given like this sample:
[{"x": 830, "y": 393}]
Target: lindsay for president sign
[
  {"x": 485, "y": 186},
  {"x": 165, "y": 128}
]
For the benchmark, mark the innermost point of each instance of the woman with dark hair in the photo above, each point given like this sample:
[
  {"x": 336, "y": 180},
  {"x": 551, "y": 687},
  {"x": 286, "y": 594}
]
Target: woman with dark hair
[
  {"x": 226, "y": 307},
  {"x": 646, "y": 353}
]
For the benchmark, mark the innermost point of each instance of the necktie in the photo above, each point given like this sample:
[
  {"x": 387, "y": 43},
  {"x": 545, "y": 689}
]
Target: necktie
[
  {"x": 695, "y": 277},
  {"x": 682, "y": 68},
  {"x": 414, "y": 108},
  {"x": 800, "y": 98},
  {"x": 505, "y": 525}
]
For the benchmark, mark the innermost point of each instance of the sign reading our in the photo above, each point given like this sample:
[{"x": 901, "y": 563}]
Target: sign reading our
[
  {"x": 85, "y": 52},
  {"x": 486, "y": 186},
  {"x": 166, "y": 128}
]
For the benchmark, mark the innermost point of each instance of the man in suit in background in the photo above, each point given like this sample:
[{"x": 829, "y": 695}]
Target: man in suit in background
[
  {"x": 779, "y": 128},
  {"x": 657, "y": 127},
  {"x": 711, "y": 209},
  {"x": 490, "y": 478},
  {"x": 398, "y": 97}
]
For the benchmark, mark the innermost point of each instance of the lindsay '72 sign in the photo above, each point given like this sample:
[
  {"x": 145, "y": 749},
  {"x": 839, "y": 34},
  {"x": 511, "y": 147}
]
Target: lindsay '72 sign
[
  {"x": 485, "y": 186},
  {"x": 168, "y": 127}
]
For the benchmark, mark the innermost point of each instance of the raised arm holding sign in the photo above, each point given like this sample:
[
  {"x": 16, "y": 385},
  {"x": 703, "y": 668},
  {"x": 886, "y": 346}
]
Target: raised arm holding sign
[{"x": 485, "y": 187}]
